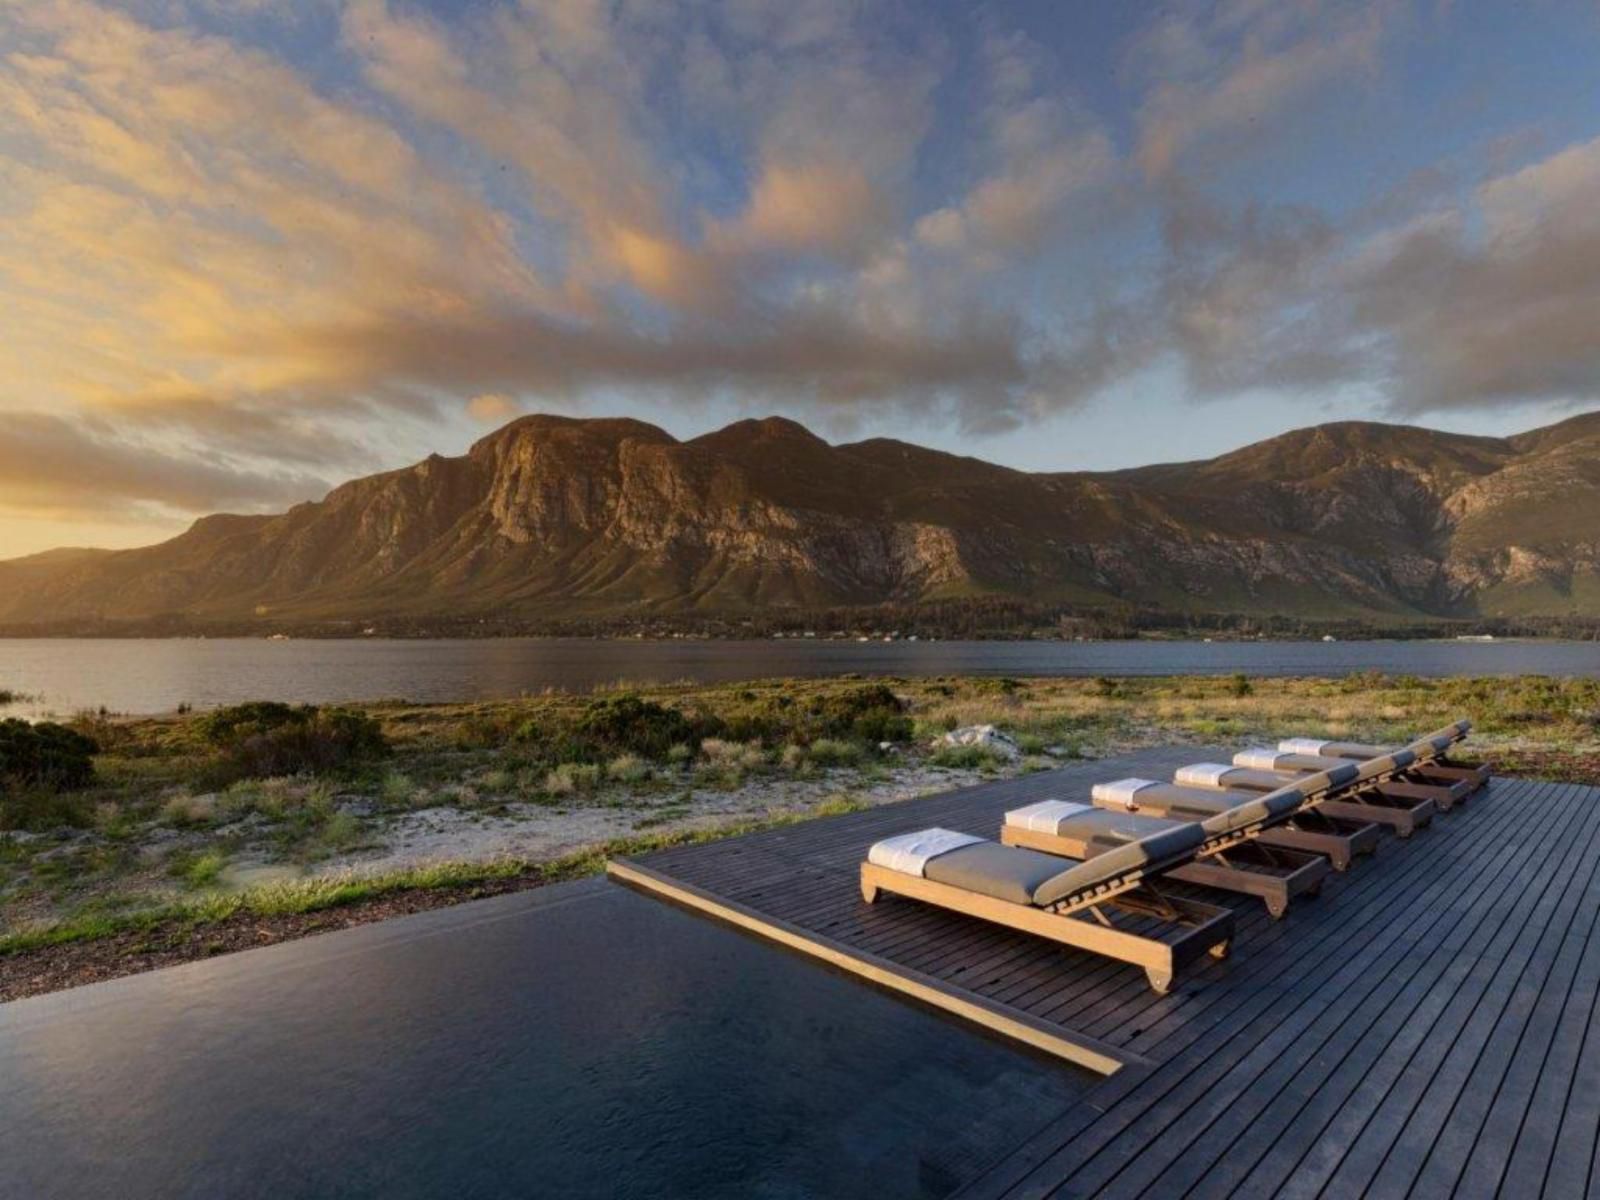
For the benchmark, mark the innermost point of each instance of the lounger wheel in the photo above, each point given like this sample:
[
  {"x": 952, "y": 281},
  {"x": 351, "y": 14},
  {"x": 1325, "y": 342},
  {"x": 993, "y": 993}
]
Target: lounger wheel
[
  {"x": 1276, "y": 908},
  {"x": 1220, "y": 950},
  {"x": 1160, "y": 979},
  {"x": 869, "y": 891},
  {"x": 1315, "y": 889}
]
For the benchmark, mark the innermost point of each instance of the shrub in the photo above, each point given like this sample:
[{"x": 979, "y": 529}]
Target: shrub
[
  {"x": 340, "y": 832},
  {"x": 628, "y": 724},
  {"x": 396, "y": 788},
  {"x": 46, "y": 756},
  {"x": 831, "y": 752},
  {"x": 870, "y": 714},
  {"x": 572, "y": 777},
  {"x": 482, "y": 732},
  {"x": 1004, "y": 685},
  {"x": 38, "y": 810},
  {"x": 284, "y": 741},
  {"x": 628, "y": 768},
  {"x": 965, "y": 758},
  {"x": 184, "y": 810},
  {"x": 1240, "y": 685},
  {"x": 224, "y": 727}
]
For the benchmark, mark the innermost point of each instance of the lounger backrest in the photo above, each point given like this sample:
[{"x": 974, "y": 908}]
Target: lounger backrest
[
  {"x": 1440, "y": 740},
  {"x": 1127, "y": 864},
  {"x": 1429, "y": 746},
  {"x": 1262, "y": 758},
  {"x": 1152, "y": 855},
  {"x": 1281, "y": 802},
  {"x": 1383, "y": 766}
]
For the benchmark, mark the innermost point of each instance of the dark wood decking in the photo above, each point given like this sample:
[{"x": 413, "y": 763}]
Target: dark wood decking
[{"x": 1421, "y": 1029}]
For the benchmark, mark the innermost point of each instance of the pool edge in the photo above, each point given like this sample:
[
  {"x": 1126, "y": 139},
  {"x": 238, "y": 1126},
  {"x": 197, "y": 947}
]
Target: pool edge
[{"x": 1081, "y": 1051}]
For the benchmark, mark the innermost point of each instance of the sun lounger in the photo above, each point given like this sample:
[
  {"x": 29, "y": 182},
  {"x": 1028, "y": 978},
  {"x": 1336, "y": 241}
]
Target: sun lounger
[
  {"x": 1430, "y": 768},
  {"x": 1373, "y": 795},
  {"x": 1231, "y": 858},
  {"x": 1084, "y": 904},
  {"x": 1308, "y": 829},
  {"x": 1393, "y": 805}
]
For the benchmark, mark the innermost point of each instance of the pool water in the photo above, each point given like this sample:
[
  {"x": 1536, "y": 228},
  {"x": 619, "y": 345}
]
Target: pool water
[{"x": 581, "y": 1041}]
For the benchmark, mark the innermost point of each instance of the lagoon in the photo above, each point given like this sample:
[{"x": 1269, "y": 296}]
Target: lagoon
[{"x": 61, "y": 676}]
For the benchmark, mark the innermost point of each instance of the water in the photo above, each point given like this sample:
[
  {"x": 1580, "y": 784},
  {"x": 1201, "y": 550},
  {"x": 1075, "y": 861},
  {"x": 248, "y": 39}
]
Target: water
[
  {"x": 142, "y": 676},
  {"x": 584, "y": 1041}
]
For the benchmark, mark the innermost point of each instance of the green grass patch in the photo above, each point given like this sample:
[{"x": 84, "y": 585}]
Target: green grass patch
[{"x": 296, "y": 897}]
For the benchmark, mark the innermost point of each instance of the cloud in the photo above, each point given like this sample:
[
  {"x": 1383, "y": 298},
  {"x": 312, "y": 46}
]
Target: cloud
[
  {"x": 493, "y": 408},
  {"x": 1043, "y": 155},
  {"x": 1233, "y": 71},
  {"x": 1478, "y": 300},
  {"x": 66, "y": 468},
  {"x": 1493, "y": 303}
]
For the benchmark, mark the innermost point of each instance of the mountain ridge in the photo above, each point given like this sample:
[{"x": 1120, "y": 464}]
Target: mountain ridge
[{"x": 552, "y": 515}]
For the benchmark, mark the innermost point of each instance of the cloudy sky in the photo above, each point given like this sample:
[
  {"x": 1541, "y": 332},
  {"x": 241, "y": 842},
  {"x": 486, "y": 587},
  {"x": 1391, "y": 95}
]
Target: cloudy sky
[{"x": 249, "y": 248}]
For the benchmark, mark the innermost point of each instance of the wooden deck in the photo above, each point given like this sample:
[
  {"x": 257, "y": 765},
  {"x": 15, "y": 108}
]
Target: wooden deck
[{"x": 1421, "y": 1029}]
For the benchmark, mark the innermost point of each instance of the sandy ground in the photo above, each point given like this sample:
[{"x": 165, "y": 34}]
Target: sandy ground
[
  {"x": 541, "y": 832},
  {"x": 535, "y": 832}
]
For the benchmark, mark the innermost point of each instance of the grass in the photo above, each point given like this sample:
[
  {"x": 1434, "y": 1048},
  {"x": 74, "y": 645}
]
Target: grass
[
  {"x": 204, "y": 870},
  {"x": 298, "y": 897}
]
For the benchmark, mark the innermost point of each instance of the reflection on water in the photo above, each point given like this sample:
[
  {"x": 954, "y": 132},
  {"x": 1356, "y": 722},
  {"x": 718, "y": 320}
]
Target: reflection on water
[
  {"x": 602, "y": 1044},
  {"x": 135, "y": 675}
]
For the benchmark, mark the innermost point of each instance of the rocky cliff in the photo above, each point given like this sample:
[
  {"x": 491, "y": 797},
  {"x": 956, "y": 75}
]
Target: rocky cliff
[{"x": 552, "y": 516}]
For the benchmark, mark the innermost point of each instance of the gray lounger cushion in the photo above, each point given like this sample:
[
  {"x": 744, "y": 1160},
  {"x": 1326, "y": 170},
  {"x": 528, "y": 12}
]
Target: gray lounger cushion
[
  {"x": 1433, "y": 743},
  {"x": 1004, "y": 872},
  {"x": 1245, "y": 812},
  {"x": 1169, "y": 845},
  {"x": 1099, "y": 828},
  {"x": 1028, "y": 877},
  {"x": 1187, "y": 803}
]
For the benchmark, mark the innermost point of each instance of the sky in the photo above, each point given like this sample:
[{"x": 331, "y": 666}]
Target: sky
[{"x": 252, "y": 248}]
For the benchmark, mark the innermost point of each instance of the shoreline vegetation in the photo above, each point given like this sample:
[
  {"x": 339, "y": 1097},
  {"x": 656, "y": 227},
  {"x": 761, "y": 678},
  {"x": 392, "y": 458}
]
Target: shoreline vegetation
[
  {"x": 980, "y": 618},
  {"x": 132, "y": 843}
]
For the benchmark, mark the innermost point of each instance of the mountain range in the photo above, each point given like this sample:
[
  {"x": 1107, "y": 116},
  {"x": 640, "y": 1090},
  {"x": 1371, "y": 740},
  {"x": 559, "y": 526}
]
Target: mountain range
[{"x": 561, "y": 517}]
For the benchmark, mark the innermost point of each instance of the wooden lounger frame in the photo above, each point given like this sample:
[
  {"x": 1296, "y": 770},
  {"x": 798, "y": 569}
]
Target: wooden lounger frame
[
  {"x": 1078, "y": 920},
  {"x": 1365, "y": 801},
  {"x": 1340, "y": 843},
  {"x": 1446, "y": 784},
  {"x": 1234, "y": 863},
  {"x": 1395, "y": 799}
]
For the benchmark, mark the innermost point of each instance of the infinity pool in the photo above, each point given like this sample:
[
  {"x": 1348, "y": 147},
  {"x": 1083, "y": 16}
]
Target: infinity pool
[{"x": 581, "y": 1041}]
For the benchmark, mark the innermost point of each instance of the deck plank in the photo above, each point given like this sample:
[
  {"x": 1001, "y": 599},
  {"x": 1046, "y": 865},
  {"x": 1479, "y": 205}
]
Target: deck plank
[{"x": 1429, "y": 1025}]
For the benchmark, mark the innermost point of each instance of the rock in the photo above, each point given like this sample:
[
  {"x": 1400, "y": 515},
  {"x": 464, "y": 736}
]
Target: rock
[{"x": 986, "y": 736}]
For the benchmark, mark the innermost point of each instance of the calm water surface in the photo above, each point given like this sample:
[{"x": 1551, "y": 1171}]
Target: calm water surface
[
  {"x": 583, "y": 1042},
  {"x": 61, "y": 675}
]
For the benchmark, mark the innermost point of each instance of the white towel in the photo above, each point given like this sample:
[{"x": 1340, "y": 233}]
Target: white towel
[
  {"x": 1045, "y": 816},
  {"x": 1302, "y": 746},
  {"x": 1122, "y": 791},
  {"x": 1202, "y": 774},
  {"x": 1257, "y": 758},
  {"x": 910, "y": 852}
]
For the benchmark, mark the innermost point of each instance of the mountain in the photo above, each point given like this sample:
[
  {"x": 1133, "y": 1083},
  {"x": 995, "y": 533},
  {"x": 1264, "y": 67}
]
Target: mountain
[{"x": 557, "y": 517}]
